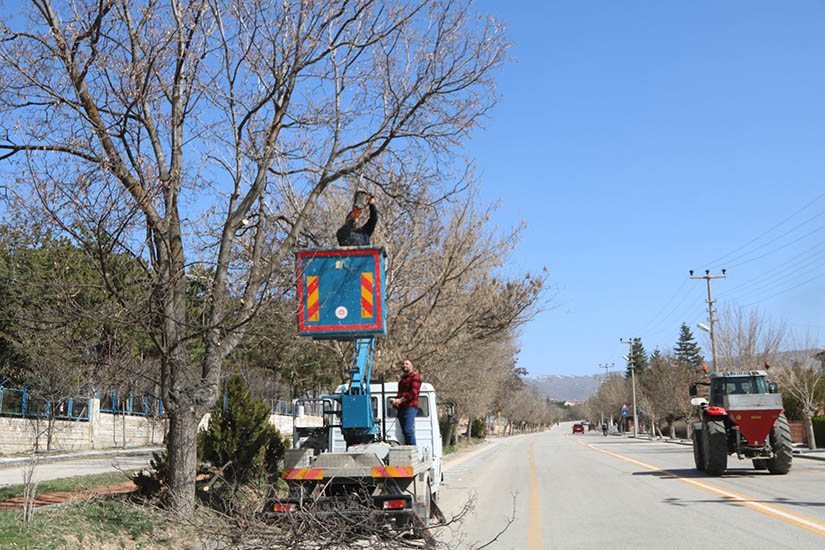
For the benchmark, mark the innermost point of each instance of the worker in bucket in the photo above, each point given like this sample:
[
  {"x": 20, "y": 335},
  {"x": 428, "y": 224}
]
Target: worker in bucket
[
  {"x": 348, "y": 234},
  {"x": 407, "y": 400}
]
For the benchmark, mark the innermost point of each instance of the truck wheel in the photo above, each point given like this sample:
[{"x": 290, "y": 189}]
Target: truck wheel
[
  {"x": 715, "y": 447},
  {"x": 698, "y": 454},
  {"x": 782, "y": 447}
]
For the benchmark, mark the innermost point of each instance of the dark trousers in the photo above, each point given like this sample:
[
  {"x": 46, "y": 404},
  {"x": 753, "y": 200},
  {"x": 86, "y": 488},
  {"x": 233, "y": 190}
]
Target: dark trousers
[{"x": 406, "y": 415}]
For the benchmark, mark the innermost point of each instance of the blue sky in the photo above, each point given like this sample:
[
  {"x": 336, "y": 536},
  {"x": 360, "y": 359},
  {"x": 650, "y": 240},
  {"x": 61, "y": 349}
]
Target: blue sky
[{"x": 640, "y": 140}]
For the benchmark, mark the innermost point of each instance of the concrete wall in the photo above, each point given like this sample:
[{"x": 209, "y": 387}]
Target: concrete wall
[{"x": 103, "y": 431}]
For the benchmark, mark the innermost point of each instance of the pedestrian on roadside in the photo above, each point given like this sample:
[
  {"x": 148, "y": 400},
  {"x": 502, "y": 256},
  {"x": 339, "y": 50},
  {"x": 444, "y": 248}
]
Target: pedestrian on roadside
[{"x": 406, "y": 401}]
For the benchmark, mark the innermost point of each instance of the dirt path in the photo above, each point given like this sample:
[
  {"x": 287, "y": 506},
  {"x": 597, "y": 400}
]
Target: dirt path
[{"x": 69, "y": 496}]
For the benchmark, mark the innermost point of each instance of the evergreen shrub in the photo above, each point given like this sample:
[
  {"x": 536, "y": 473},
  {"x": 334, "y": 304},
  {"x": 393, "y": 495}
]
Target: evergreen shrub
[
  {"x": 240, "y": 440},
  {"x": 819, "y": 430},
  {"x": 478, "y": 428}
]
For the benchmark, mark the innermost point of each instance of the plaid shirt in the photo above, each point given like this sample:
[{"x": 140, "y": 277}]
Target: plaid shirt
[{"x": 408, "y": 388}]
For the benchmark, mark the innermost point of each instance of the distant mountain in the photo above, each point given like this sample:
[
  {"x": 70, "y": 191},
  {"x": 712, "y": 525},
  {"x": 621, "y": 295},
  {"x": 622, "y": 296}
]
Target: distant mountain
[{"x": 562, "y": 388}]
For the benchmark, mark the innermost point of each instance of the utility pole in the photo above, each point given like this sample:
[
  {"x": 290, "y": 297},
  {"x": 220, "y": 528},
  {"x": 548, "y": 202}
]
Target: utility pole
[
  {"x": 601, "y": 409},
  {"x": 707, "y": 276},
  {"x": 632, "y": 341}
]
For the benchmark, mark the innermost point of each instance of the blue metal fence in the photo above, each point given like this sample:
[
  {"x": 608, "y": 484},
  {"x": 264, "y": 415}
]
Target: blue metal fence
[
  {"x": 21, "y": 403},
  {"x": 126, "y": 403}
]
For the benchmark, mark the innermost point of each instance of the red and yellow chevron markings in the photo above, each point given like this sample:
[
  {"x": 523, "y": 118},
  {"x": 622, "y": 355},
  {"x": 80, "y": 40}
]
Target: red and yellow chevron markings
[
  {"x": 367, "y": 289},
  {"x": 392, "y": 471},
  {"x": 303, "y": 473},
  {"x": 312, "y": 298}
]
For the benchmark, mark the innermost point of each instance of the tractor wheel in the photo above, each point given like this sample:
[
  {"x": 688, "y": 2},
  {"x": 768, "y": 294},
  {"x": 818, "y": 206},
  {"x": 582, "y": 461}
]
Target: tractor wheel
[
  {"x": 698, "y": 454},
  {"x": 782, "y": 447},
  {"x": 760, "y": 463},
  {"x": 715, "y": 447}
]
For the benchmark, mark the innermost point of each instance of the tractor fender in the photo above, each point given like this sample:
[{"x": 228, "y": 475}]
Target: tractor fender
[{"x": 716, "y": 411}]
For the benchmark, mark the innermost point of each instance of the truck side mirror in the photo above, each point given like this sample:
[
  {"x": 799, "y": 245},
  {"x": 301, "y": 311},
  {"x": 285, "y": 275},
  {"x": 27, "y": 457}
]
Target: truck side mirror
[
  {"x": 772, "y": 387},
  {"x": 692, "y": 390}
]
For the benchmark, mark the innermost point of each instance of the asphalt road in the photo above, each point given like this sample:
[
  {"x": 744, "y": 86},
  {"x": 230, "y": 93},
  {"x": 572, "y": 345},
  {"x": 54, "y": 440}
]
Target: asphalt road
[{"x": 560, "y": 491}]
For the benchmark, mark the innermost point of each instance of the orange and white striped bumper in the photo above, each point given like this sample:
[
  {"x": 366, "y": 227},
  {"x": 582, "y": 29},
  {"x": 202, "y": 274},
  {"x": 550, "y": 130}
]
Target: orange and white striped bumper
[
  {"x": 392, "y": 471},
  {"x": 304, "y": 473}
]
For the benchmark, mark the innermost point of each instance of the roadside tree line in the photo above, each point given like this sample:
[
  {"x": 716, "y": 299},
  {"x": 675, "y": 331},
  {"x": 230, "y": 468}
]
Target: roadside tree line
[
  {"x": 746, "y": 340},
  {"x": 164, "y": 160}
]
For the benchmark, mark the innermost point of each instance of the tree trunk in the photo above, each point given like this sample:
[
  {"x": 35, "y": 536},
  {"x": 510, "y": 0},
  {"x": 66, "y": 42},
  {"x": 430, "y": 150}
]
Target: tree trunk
[
  {"x": 49, "y": 431},
  {"x": 809, "y": 430},
  {"x": 182, "y": 459}
]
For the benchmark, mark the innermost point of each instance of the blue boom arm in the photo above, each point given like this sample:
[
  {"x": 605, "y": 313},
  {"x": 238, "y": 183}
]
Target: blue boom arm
[{"x": 357, "y": 420}]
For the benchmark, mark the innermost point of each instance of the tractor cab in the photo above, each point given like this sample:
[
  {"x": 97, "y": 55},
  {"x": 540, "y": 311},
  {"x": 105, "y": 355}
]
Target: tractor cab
[{"x": 736, "y": 383}]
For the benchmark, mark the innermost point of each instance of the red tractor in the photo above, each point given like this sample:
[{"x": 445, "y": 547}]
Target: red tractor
[{"x": 743, "y": 415}]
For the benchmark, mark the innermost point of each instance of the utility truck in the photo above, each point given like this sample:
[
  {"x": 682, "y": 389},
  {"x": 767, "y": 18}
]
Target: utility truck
[
  {"x": 742, "y": 415},
  {"x": 358, "y": 463}
]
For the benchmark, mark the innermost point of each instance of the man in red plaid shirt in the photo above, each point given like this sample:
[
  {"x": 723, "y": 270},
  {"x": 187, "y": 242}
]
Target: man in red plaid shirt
[{"x": 407, "y": 400}]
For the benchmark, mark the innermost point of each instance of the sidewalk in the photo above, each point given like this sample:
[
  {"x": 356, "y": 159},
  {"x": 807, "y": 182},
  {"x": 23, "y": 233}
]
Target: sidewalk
[{"x": 54, "y": 456}]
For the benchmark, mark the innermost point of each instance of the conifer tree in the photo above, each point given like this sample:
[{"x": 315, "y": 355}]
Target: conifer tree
[
  {"x": 638, "y": 360},
  {"x": 239, "y": 437},
  {"x": 687, "y": 351}
]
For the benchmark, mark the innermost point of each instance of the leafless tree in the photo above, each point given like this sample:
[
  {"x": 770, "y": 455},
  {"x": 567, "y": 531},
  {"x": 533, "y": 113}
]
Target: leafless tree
[
  {"x": 799, "y": 374},
  {"x": 29, "y": 489},
  {"x": 747, "y": 339},
  {"x": 665, "y": 389},
  {"x": 455, "y": 310},
  {"x": 206, "y": 132},
  {"x": 611, "y": 395}
]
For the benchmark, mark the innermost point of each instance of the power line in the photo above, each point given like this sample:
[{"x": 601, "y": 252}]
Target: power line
[
  {"x": 735, "y": 264},
  {"x": 814, "y": 264},
  {"x": 775, "y": 271},
  {"x": 725, "y": 257},
  {"x": 812, "y": 279}
]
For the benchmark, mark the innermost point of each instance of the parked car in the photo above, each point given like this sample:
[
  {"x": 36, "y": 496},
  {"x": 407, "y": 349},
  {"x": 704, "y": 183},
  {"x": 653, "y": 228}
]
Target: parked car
[{"x": 578, "y": 428}]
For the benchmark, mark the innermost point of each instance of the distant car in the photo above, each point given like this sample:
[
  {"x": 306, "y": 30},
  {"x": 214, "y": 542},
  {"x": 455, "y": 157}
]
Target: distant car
[{"x": 578, "y": 428}]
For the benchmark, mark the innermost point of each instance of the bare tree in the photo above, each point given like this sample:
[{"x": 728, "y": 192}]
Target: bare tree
[
  {"x": 609, "y": 398},
  {"x": 205, "y": 132},
  {"x": 29, "y": 489},
  {"x": 665, "y": 389},
  {"x": 800, "y": 375},
  {"x": 747, "y": 339},
  {"x": 455, "y": 311}
]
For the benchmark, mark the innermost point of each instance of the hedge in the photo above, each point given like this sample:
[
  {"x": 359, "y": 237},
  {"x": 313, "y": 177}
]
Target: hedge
[{"x": 819, "y": 430}]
